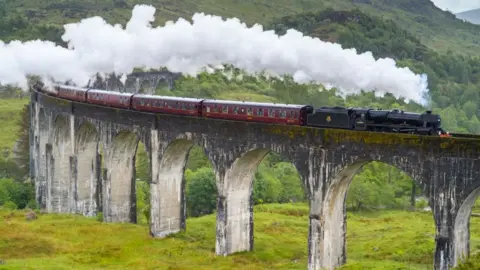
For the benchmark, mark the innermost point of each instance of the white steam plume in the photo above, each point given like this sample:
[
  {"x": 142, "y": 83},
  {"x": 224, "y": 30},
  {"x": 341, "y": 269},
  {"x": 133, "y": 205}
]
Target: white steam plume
[{"x": 95, "y": 46}]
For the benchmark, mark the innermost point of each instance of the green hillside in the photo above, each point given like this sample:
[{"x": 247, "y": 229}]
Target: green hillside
[
  {"x": 440, "y": 30},
  {"x": 281, "y": 234},
  {"x": 374, "y": 241}
]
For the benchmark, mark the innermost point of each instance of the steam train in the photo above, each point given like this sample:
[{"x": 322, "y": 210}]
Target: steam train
[{"x": 362, "y": 119}]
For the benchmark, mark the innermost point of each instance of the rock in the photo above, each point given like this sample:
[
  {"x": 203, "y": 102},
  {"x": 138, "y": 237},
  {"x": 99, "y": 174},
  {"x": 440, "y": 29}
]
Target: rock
[{"x": 30, "y": 215}]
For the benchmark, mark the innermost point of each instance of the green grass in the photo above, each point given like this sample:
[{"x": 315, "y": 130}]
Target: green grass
[
  {"x": 436, "y": 28},
  {"x": 382, "y": 240},
  {"x": 10, "y": 110}
]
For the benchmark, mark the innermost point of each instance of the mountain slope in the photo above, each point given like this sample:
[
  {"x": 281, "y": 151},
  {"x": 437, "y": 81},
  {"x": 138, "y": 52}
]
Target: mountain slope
[
  {"x": 440, "y": 30},
  {"x": 472, "y": 16}
]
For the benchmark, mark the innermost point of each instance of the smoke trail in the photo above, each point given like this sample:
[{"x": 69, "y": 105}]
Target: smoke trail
[{"x": 95, "y": 46}]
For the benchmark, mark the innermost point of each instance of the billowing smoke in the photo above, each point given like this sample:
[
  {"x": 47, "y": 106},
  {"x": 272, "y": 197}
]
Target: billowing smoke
[{"x": 95, "y": 46}]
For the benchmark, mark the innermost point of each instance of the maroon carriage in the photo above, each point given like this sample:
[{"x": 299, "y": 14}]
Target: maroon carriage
[
  {"x": 289, "y": 114},
  {"x": 166, "y": 104},
  {"x": 71, "y": 92},
  {"x": 109, "y": 98}
]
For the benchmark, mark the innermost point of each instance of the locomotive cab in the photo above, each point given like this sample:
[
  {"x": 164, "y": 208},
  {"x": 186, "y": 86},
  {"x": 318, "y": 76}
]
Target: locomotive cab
[
  {"x": 359, "y": 118},
  {"x": 304, "y": 112}
]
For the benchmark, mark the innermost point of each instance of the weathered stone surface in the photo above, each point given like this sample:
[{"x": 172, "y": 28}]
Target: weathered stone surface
[{"x": 68, "y": 176}]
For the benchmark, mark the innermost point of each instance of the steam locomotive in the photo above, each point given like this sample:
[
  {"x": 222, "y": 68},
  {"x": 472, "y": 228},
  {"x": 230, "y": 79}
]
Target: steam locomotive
[{"x": 362, "y": 119}]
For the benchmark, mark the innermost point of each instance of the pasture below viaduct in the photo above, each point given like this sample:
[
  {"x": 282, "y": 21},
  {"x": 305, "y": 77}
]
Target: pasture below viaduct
[{"x": 70, "y": 177}]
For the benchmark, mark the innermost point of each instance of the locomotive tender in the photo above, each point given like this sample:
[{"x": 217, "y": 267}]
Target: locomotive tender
[{"x": 361, "y": 119}]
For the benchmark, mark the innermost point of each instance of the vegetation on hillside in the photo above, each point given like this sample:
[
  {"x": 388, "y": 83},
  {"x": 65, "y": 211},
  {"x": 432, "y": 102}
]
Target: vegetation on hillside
[
  {"x": 440, "y": 30},
  {"x": 386, "y": 240},
  {"x": 280, "y": 231}
]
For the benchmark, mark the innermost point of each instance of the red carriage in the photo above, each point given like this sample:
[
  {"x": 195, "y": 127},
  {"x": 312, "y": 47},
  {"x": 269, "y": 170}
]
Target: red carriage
[
  {"x": 289, "y": 114},
  {"x": 71, "y": 92},
  {"x": 165, "y": 104},
  {"x": 109, "y": 98}
]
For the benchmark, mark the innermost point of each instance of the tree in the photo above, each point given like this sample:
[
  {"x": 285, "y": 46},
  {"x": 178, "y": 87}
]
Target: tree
[{"x": 201, "y": 192}]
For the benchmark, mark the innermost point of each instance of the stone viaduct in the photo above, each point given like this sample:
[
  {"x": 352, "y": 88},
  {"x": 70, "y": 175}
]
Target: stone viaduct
[
  {"x": 66, "y": 166},
  {"x": 145, "y": 82}
]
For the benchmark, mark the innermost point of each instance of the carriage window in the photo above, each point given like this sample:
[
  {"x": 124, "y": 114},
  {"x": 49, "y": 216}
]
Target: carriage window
[
  {"x": 235, "y": 110},
  {"x": 283, "y": 114},
  {"x": 260, "y": 112},
  {"x": 183, "y": 106},
  {"x": 225, "y": 109},
  {"x": 249, "y": 111},
  {"x": 215, "y": 109},
  {"x": 208, "y": 108},
  {"x": 271, "y": 112},
  {"x": 292, "y": 114}
]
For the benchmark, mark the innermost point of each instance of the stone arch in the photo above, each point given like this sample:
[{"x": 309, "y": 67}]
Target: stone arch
[
  {"x": 333, "y": 213},
  {"x": 119, "y": 187},
  {"x": 235, "y": 203},
  {"x": 167, "y": 198},
  {"x": 61, "y": 187},
  {"x": 145, "y": 86},
  {"x": 88, "y": 170},
  {"x": 162, "y": 83},
  {"x": 461, "y": 232}
]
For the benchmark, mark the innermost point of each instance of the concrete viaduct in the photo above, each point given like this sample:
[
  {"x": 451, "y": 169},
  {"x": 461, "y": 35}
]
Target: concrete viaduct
[{"x": 69, "y": 177}]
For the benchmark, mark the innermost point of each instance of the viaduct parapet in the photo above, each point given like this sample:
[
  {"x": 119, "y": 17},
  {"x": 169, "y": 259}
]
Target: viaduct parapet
[{"x": 66, "y": 165}]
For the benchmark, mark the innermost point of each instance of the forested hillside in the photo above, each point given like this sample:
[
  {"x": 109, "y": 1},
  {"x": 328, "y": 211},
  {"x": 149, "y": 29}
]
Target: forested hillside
[{"x": 440, "y": 30}]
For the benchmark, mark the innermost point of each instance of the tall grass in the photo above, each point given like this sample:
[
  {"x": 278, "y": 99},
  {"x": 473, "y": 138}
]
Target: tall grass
[{"x": 382, "y": 240}]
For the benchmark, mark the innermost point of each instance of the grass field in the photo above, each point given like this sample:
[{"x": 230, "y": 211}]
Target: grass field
[
  {"x": 383, "y": 240},
  {"x": 9, "y": 114}
]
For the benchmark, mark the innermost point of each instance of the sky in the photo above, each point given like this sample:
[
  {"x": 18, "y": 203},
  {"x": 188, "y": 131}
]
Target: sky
[{"x": 456, "y": 6}]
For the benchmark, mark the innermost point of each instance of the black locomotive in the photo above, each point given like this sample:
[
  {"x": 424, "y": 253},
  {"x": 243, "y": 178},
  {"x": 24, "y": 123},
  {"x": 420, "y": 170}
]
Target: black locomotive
[{"x": 368, "y": 119}]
